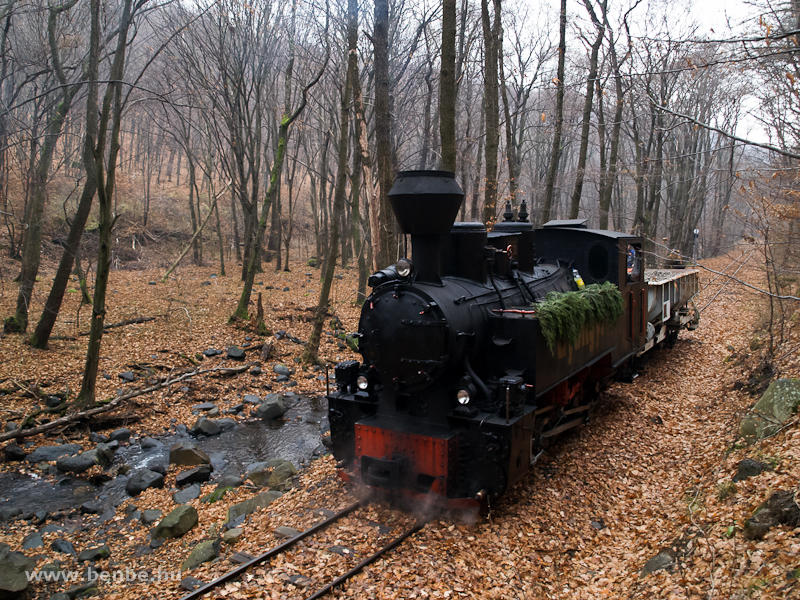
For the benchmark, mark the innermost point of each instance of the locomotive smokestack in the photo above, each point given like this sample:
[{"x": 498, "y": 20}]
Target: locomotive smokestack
[{"x": 426, "y": 204}]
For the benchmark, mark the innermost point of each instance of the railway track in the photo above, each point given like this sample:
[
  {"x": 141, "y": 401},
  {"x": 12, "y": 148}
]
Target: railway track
[{"x": 291, "y": 543}]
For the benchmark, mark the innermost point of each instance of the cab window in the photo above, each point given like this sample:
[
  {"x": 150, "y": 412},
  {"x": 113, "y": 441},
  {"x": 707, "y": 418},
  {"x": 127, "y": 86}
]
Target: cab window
[{"x": 633, "y": 257}]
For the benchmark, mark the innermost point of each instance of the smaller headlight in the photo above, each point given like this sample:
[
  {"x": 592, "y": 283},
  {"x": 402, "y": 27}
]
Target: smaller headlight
[
  {"x": 463, "y": 397},
  {"x": 362, "y": 383},
  {"x": 403, "y": 267}
]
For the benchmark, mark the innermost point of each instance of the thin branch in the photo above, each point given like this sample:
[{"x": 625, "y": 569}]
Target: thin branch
[
  {"x": 655, "y": 103},
  {"x": 115, "y": 403}
]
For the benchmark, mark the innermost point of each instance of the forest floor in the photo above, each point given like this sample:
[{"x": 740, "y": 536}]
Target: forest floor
[{"x": 650, "y": 473}]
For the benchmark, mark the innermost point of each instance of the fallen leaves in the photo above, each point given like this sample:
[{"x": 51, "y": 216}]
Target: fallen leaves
[{"x": 601, "y": 502}]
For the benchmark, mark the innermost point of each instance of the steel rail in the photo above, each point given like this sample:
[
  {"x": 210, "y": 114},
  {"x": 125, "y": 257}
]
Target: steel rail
[
  {"x": 367, "y": 561},
  {"x": 269, "y": 554}
]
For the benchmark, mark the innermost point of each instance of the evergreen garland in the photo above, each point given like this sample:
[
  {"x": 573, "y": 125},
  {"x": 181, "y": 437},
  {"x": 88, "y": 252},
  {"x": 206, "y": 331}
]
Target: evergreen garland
[{"x": 563, "y": 316}]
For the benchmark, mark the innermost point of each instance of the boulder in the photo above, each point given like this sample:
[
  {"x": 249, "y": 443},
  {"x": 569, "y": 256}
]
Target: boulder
[
  {"x": 216, "y": 495},
  {"x": 81, "y": 591},
  {"x": 63, "y": 546},
  {"x": 92, "y": 508},
  {"x": 204, "y": 406},
  {"x": 779, "y": 509},
  {"x": 226, "y": 423},
  {"x": 205, "y": 426},
  {"x": 53, "y": 401},
  {"x": 274, "y": 474},
  {"x": 187, "y": 494},
  {"x": 13, "y": 452},
  {"x": 50, "y": 453},
  {"x": 52, "y": 528},
  {"x": 273, "y": 407},
  {"x": 188, "y": 454},
  {"x": 127, "y": 376},
  {"x": 150, "y": 516},
  {"x": 748, "y": 468},
  {"x": 32, "y": 540},
  {"x": 103, "y": 454},
  {"x": 229, "y": 481},
  {"x": 251, "y": 399},
  {"x": 94, "y": 554},
  {"x": 235, "y": 353},
  {"x": 232, "y": 536},
  {"x": 663, "y": 560},
  {"x": 78, "y": 463},
  {"x": 148, "y": 443},
  {"x": 251, "y": 504},
  {"x": 9, "y": 513},
  {"x": 13, "y": 566},
  {"x": 176, "y": 523},
  {"x": 157, "y": 467},
  {"x": 134, "y": 516},
  {"x": 123, "y": 434},
  {"x": 282, "y": 370},
  {"x": 778, "y": 404},
  {"x": 143, "y": 479},
  {"x": 199, "y": 474},
  {"x": 203, "y": 552}
]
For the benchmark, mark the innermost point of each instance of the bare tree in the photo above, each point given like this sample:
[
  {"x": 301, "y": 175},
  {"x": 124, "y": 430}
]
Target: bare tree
[{"x": 555, "y": 153}]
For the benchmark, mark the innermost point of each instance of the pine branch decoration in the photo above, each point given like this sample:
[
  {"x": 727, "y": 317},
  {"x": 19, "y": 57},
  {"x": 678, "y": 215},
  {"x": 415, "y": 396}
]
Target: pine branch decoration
[{"x": 563, "y": 316}]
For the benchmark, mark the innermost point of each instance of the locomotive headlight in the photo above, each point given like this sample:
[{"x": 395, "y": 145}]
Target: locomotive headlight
[
  {"x": 463, "y": 397},
  {"x": 362, "y": 383},
  {"x": 404, "y": 267}
]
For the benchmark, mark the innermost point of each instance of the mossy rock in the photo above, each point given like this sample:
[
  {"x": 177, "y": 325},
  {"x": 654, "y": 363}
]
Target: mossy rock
[
  {"x": 779, "y": 509},
  {"x": 176, "y": 523},
  {"x": 216, "y": 495},
  {"x": 778, "y": 404},
  {"x": 252, "y": 504},
  {"x": 203, "y": 552}
]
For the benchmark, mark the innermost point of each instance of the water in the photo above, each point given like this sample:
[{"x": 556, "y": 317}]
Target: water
[{"x": 294, "y": 439}]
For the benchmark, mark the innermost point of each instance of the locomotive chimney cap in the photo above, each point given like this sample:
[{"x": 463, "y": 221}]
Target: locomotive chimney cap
[{"x": 426, "y": 202}]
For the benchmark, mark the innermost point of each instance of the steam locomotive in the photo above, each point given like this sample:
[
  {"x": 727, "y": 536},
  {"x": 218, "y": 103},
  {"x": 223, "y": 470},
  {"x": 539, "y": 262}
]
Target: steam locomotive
[{"x": 459, "y": 390}]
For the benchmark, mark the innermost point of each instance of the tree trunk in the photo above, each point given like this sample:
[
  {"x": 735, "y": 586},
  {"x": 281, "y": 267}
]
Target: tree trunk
[
  {"x": 474, "y": 212},
  {"x": 387, "y": 247},
  {"x": 587, "y": 117},
  {"x": 555, "y": 152},
  {"x": 311, "y": 354},
  {"x": 41, "y": 335},
  {"x": 221, "y": 244},
  {"x": 609, "y": 177},
  {"x": 105, "y": 193},
  {"x": 447, "y": 86},
  {"x": 272, "y": 191},
  {"x": 362, "y": 140},
  {"x": 192, "y": 179},
  {"x": 34, "y": 213},
  {"x": 490, "y": 37}
]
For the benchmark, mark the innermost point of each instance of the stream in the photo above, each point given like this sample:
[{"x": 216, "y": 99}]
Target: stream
[{"x": 296, "y": 438}]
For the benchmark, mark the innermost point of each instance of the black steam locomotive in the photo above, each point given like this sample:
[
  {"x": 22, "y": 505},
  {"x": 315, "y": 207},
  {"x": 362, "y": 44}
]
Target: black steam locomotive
[{"x": 459, "y": 388}]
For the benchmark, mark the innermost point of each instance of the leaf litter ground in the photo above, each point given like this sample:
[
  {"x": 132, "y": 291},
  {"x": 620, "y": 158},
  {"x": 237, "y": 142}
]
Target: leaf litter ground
[{"x": 643, "y": 477}]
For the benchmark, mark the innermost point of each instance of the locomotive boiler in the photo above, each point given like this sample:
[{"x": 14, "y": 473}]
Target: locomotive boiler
[{"x": 462, "y": 379}]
